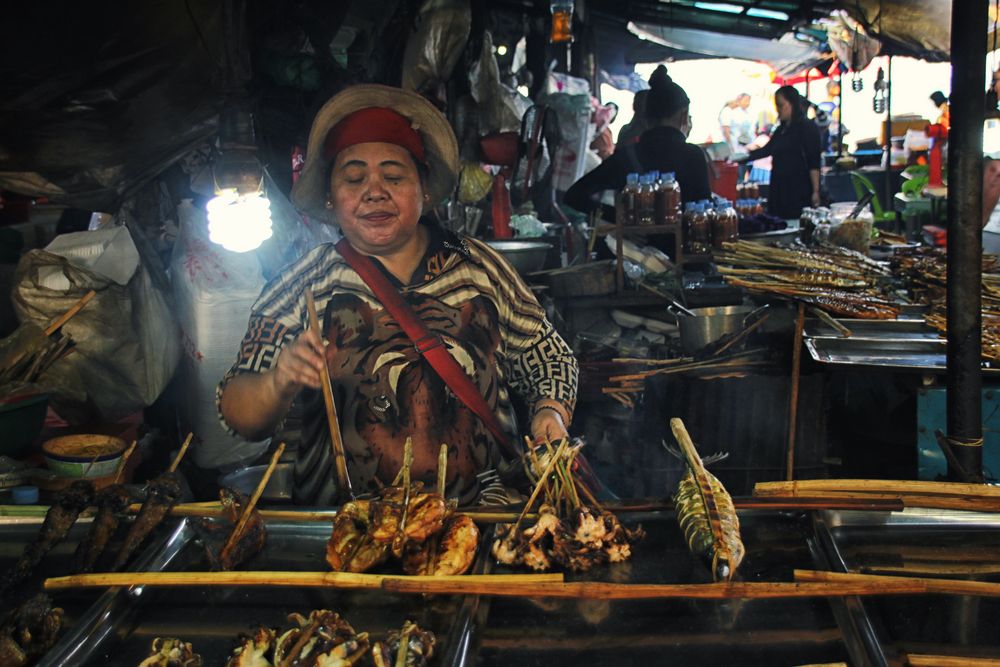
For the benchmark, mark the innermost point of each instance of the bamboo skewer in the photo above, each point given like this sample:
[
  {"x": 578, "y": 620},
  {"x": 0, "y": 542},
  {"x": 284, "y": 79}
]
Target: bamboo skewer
[
  {"x": 877, "y": 486},
  {"x": 248, "y": 508},
  {"x": 793, "y": 401},
  {"x": 125, "y": 457},
  {"x": 177, "y": 459},
  {"x": 65, "y": 317},
  {"x": 924, "y": 585},
  {"x": 336, "y": 442},
  {"x": 831, "y": 321},
  {"x": 542, "y": 482},
  {"x": 926, "y": 660},
  {"x": 346, "y": 580},
  {"x": 442, "y": 473}
]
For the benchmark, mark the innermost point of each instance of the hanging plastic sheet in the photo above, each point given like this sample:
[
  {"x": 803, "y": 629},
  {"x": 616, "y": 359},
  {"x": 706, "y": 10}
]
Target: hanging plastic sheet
[
  {"x": 437, "y": 43},
  {"x": 95, "y": 103}
]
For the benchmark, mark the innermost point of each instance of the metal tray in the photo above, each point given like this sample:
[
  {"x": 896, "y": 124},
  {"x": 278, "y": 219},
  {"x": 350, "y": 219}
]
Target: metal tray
[
  {"x": 914, "y": 355},
  {"x": 885, "y": 330},
  {"x": 528, "y": 633},
  {"x": 925, "y": 543},
  {"x": 121, "y": 627}
]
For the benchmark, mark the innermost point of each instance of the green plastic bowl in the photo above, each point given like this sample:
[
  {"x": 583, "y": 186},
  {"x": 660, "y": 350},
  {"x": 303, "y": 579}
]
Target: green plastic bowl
[{"x": 21, "y": 421}]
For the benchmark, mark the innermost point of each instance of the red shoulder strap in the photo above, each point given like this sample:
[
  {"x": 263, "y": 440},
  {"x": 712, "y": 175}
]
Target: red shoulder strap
[{"x": 426, "y": 343}]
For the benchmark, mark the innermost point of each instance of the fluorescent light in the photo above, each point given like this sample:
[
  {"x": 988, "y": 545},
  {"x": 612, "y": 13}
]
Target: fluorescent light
[
  {"x": 719, "y": 7},
  {"x": 239, "y": 223},
  {"x": 767, "y": 14},
  {"x": 502, "y": 50}
]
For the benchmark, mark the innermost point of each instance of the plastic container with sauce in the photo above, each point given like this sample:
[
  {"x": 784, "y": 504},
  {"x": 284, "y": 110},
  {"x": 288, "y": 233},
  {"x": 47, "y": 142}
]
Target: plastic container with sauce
[
  {"x": 628, "y": 198},
  {"x": 645, "y": 201},
  {"x": 668, "y": 201}
]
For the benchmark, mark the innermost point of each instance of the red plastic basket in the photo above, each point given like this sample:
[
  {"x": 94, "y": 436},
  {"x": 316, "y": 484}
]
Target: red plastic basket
[{"x": 722, "y": 178}]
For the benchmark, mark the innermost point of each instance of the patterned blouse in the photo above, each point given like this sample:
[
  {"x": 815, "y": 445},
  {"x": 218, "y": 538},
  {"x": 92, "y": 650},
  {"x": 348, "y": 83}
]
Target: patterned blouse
[{"x": 385, "y": 391}]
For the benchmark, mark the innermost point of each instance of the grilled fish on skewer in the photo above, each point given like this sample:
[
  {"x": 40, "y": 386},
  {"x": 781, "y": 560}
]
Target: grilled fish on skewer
[
  {"x": 111, "y": 504},
  {"x": 214, "y": 535},
  {"x": 58, "y": 520},
  {"x": 706, "y": 512},
  {"x": 164, "y": 491}
]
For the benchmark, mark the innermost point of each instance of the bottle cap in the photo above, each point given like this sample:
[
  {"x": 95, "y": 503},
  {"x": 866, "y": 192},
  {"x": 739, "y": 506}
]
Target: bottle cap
[{"x": 25, "y": 495}]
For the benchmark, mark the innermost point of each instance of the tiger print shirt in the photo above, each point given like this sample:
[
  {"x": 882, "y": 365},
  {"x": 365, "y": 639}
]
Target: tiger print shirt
[{"x": 385, "y": 391}]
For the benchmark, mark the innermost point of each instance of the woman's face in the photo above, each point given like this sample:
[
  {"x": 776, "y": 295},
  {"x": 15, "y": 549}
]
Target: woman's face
[
  {"x": 784, "y": 108},
  {"x": 377, "y": 196}
]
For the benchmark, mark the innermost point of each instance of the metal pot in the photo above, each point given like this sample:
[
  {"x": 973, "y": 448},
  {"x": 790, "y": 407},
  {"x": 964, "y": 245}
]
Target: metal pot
[
  {"x": 708, "y": 325},
  {"x": 525, "y": 256}
]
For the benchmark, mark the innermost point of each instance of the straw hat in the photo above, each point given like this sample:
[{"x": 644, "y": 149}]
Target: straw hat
[{"x": 309, "y": 194}]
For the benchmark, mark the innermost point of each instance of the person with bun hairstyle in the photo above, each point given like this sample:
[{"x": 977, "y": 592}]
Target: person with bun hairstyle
[
  {"x": 662, "y": 147},
  {"x": 795, "y": 151}
]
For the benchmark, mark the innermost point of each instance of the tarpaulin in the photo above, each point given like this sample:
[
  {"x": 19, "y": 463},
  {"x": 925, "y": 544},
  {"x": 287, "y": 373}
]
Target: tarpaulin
[
  {"x": 96, "y": 101},
  {"x": 784, "y": 55}
]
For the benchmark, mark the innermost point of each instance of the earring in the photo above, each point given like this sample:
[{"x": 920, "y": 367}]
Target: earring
[{"x": 329, "y": 204}]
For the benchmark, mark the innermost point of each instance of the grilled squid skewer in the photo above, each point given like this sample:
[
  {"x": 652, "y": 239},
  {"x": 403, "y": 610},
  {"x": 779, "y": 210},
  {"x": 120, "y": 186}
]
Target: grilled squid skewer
[{"x": 706, "y": 512}]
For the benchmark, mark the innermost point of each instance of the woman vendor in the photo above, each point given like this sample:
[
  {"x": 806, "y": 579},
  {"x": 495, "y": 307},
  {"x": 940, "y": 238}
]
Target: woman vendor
[
  {"x": 378, "y": 159},
  {"x": 795, "y": 152},
  {"x": 662, "y": 147}
]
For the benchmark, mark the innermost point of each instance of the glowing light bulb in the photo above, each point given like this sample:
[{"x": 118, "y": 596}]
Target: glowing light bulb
[{"x": 239, "y": 223}]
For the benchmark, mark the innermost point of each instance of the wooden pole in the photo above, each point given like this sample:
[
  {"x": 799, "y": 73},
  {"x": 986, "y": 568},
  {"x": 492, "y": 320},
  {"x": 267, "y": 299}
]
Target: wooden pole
[
  {"x": 929, "y": 585},
  {"x": 333, "y": 423},
  {"x": 793, "y": 401}
]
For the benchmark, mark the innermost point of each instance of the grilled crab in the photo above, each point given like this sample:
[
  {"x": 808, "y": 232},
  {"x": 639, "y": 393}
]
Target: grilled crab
[
  {"x": 323, "y": 639},
  {"x": 419, "y": 647},
  {"x": 171, "y": 652},
  {"x": 253, "y": 649}
]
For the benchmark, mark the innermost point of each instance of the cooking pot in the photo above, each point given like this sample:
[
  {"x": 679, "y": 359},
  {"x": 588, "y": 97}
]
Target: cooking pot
[{"x": 708, "y": 325}]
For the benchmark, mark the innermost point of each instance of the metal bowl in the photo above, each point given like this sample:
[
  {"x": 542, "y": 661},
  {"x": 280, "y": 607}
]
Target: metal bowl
[{"x": 525, "y": 256}]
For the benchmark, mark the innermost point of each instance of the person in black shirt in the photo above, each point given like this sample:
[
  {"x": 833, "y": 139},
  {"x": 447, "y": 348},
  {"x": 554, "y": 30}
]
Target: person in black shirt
[
  {"x": 795, "y": 151},
  {"x": 662, "y": 147}
]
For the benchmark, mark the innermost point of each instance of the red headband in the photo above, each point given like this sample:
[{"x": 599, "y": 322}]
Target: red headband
[{"x": 373, "y": 124}]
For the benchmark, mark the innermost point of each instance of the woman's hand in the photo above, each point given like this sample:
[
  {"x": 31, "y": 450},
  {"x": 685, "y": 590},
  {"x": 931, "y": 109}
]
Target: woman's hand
[
  {"x": 299, "y": 365},
  {"x": 815, "y": 198},
  {"x": 547, "y": 424}
]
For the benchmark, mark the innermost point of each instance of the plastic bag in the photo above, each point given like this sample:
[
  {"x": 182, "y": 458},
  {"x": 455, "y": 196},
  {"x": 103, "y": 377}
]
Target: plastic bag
[
  {"x": 126, "y": 343},
  {"x": 214, "y": 290},
  {"x": 435, "y": 47},
  {"x": 500, "y": 107}
]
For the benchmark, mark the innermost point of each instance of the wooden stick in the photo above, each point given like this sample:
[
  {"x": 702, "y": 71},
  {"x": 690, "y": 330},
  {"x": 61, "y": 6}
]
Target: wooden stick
[
  {"x": 929, "y": 585},
  {"x": 743, "y": 334},
  {"x": 125, "y": 457},
  {"x": 805, "y": 487},
  {"x": 296, "y": 579},
  {"x": 333, "y": 423},
  {"x": 830, "y": 321},
  {"x": 793, "y": 400},
  {"x": 538, "y": 487},
  {"x": 442, "y": 475},
  {"x": 248, "y": 508},
  {"x": 65, "y": 317},
  {"x": 91, "y": 464},
  {"x": 926, "y": 660},
  {"x": 177, "y": 459}
]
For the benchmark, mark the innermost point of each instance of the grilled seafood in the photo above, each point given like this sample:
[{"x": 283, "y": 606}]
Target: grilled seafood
[
  {"x": 350, "y": 548},
  {"x": 424, "y": 517},
  {"x": 419, "y": 647},
  {"x": 323, "y": 639},
  {"x": 29, "y": 631},
  {"x": 215, "y": 535},
  {"x": 253, "y": 649},
  {"x": 111, "y": 504},
  {"x": 59, "y": 519},
  {"x": 171, "y": 652},
  {"x": 449, "y": 553},
  {"x": 579, "y": 543},
  {"x": 164, "y": 491},
  {"x": 706, "y": 512}
]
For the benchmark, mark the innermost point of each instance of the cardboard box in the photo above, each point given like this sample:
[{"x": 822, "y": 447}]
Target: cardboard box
[{"x": 900, "y": 124}]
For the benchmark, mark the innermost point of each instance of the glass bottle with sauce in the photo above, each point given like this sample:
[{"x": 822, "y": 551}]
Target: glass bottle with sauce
[
  {"x": 699, "y": 232},
  {"x": 669, "y": 201},
  {"x": 645, "y": 201},
  {"x": 628, "y": 198}
]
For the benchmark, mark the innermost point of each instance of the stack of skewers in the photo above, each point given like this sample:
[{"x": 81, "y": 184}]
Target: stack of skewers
[
  {"x": 839, "y": 281},
  {"x": 925, "y": 272}
]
